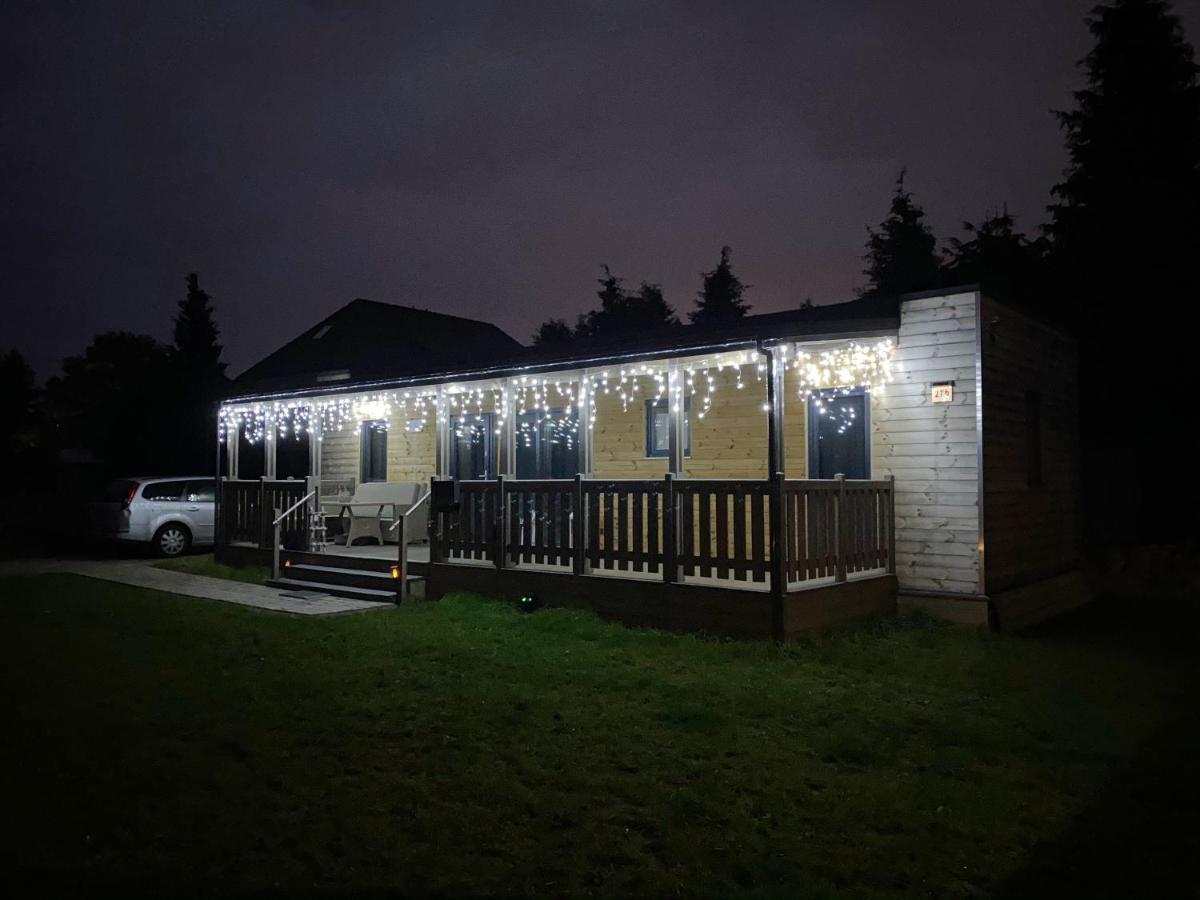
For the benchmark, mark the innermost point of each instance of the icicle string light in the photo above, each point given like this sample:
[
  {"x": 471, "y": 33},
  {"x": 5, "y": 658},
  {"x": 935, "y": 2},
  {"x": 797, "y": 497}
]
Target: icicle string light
[{"x": 553, "y": 404}]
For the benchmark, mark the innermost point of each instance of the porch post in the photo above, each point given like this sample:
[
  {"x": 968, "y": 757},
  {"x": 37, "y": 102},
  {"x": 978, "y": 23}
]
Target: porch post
[
  {"x": 315, "y": 430},
  {"x": 676, "y": 438},
  {"x": 269, "y": 448},
  {"x": 775, "y": 393},
  {"x": 585, "y": 425},
  {"x": 508, "y": 431},
  {"x": 231, "y": 449},
  {"x": 441, "y": 427}
]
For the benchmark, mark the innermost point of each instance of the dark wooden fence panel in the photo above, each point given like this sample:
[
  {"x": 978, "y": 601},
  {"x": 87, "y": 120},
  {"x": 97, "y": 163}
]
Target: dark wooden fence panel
[
  {"x": 470, "y": 532},
  {"x": 723, "y": 528},
  {"x": 541, "y": 519},
  {"x": 247, "y": 511},
  {"x": 624, "y": 525},
  {"x": 838, "y": 528}
]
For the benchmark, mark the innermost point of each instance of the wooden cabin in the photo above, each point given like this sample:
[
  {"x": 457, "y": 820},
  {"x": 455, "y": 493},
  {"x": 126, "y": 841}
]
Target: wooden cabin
[{"x": 791, "y": 471}]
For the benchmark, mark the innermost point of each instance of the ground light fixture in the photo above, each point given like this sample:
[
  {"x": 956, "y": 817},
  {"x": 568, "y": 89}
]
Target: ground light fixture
[{"x": 528, "y": 603}]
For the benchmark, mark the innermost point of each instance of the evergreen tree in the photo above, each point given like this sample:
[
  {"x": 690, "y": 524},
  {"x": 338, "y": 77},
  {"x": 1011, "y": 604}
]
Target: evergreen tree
[
  {"x": 1002, "y": 259},
  {"x": 196, "y": 333},
  {"x": 552, "y": 332},
  {"x": 901, "y": 255},
  {"x": 720, "y": 299},
  {"x": 1124, "y": 230},
  {"x": 1127, "y": 215},
  {"x": 623, "y": 315}
]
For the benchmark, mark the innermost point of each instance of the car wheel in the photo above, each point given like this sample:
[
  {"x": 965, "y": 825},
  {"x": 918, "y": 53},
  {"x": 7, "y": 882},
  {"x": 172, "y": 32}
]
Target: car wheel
[{"x": 172, "y": 540}]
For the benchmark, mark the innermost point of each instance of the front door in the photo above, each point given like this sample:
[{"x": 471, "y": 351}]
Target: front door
[
  {"x": 473, "y": 447},
  {"x": 839, "y": 434}
]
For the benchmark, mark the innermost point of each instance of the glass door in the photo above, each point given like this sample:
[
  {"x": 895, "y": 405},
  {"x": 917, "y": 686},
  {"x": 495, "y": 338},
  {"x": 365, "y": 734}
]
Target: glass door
[{"x": 839, "y": 434}]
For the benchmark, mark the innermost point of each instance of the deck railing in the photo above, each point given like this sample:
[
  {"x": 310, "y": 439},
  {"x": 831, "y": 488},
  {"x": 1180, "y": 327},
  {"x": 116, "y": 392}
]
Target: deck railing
[
  {"x": 246, "y": 512},
  {"x": 674, "y": 529}
]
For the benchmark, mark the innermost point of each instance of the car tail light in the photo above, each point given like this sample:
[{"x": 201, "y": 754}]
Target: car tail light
[{"x": 129, "y": 497}]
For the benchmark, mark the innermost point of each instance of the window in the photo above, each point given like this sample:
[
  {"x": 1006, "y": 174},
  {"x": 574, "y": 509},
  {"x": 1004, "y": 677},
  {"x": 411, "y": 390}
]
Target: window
[
  {"x": 163, "y": 491},
  {"x": 200, "y": 492},
  {"x": 1033, "y": 439},
  {"x": 472, "y": 446},
  {"x": 839, "y": 434},
  {"x": 658, "y": 440},
  {"x": 374, "y": 451},
  {"x": 547, "y": 444}
]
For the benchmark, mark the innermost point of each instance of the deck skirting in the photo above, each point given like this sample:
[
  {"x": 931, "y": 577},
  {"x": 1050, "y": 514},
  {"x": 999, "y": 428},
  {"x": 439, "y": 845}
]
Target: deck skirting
[{"x": 723, "y": 611}]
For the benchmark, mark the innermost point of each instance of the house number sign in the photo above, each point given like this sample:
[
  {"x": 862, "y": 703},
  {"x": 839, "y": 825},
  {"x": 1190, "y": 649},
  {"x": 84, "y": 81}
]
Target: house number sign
[{"x": 942, "y": 392}]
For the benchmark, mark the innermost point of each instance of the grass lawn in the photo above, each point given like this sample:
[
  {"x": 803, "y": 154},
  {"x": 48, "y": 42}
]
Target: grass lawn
[
  {"x": 204, "y": 564},
  {"x": 162, "y": 743}
]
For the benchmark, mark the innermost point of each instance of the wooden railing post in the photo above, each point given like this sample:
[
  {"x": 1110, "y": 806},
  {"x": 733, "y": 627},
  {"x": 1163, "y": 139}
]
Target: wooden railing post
[
  {"x": 890, "y": 515},
  {"x": 670, "y": 531},
  {"x": 839, "y": 524},
  {"x": 275, "y": 524},
  {"x": 578, "y": 531},
  {"x": 435, "y": 517},
  {"x": 778, "y": 544},
  {"x": 500, "y": 528},
  {"x": 264, "y": 515}
]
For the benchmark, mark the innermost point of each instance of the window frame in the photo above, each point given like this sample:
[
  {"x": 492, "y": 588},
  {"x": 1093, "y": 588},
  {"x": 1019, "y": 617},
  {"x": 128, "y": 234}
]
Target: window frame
[
  {"x": 653, "y": 407},
  {"x": 812, "y": 433},
  {"x": 367, "y": 430}
]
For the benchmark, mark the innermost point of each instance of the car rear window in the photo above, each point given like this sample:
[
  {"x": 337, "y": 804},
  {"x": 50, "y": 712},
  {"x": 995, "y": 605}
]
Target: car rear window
[
  {"x": 163, "y": 490},
  {"x": 201, "y": 492},
  {"x": 116, "y": 491}
]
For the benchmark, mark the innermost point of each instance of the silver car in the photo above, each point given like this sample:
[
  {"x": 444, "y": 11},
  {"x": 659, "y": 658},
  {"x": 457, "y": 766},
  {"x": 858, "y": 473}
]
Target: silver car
[{"x": 169, "y": 514}]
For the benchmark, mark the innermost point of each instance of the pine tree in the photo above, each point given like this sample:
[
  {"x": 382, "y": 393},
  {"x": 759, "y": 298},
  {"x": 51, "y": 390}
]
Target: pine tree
[
  {"x": 720, "y": 301},
  {"x": 1002, "y": 259},
  {"x": 1124, "y": 229},
  {"x": 901, "y": 256},
  {"x": 623, "y": 315},
  {"x": 196, "y": 333},
  {"x": 1126, "y": 221}
]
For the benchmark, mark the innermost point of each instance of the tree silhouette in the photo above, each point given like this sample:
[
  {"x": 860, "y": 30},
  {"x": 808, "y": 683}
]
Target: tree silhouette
[
  {"x": 624, "y": 315},
  {"x": 1128, "y": 209},
  {"x": 196, "y": 333},
  {"x": 119, "y": 399},
  {"x": 901, "y": 255},
  {"x": 720, "y": 301},
  {"x": 18, "y": 416},
  {"x": 996, "y": 255},
  {"x": 1124, "y": 230},
  {"x": 552, "y": 332}
]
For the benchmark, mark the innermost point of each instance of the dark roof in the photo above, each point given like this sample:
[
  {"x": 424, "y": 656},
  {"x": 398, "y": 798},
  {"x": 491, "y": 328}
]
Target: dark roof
[
  {"x": 368, "y": 341},
  {"x": 378, "y": 343},
  {"x": 833, "y": 320}
]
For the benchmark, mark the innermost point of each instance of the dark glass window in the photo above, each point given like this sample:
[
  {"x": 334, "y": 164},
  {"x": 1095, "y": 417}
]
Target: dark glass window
[
  {"x": 1033, "y": 439},
  {"x": 163, "y": 490},
  {"x": 547, "y": 444},
  {"x": 472, "y": 446},
  {"x": 839, "y": 435},
  {"x": 291, "y": 455},
  {"x": 201, "y": 491},
  {"x": 374, "y": 451},
  {"x": 658, "y": 427}
]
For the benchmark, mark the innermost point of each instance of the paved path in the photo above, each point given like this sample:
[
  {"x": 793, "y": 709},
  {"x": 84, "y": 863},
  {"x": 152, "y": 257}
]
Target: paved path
[{"x": 143, "y": 573}]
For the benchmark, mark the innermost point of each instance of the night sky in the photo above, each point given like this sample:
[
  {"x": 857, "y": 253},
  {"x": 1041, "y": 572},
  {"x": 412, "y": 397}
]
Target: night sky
[{"x": 485, "y": 159}]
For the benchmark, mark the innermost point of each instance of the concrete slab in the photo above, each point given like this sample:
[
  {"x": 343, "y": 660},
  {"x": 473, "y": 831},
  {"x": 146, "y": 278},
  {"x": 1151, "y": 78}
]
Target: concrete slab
[{"x": 143, "y": 573}]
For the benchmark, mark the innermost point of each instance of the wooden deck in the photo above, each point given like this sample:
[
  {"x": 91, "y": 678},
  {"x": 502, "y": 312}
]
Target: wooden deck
[{"x": 745, "y": 558}]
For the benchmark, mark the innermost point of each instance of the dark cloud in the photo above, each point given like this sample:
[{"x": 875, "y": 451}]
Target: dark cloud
[{"x": 484, "y": 159}]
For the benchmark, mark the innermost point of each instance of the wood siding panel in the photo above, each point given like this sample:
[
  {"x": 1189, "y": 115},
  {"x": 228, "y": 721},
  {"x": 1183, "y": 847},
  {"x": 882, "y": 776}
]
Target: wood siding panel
[
  {"x": 1031, "y": 531},
  {"x": 932, "y": 449}
]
